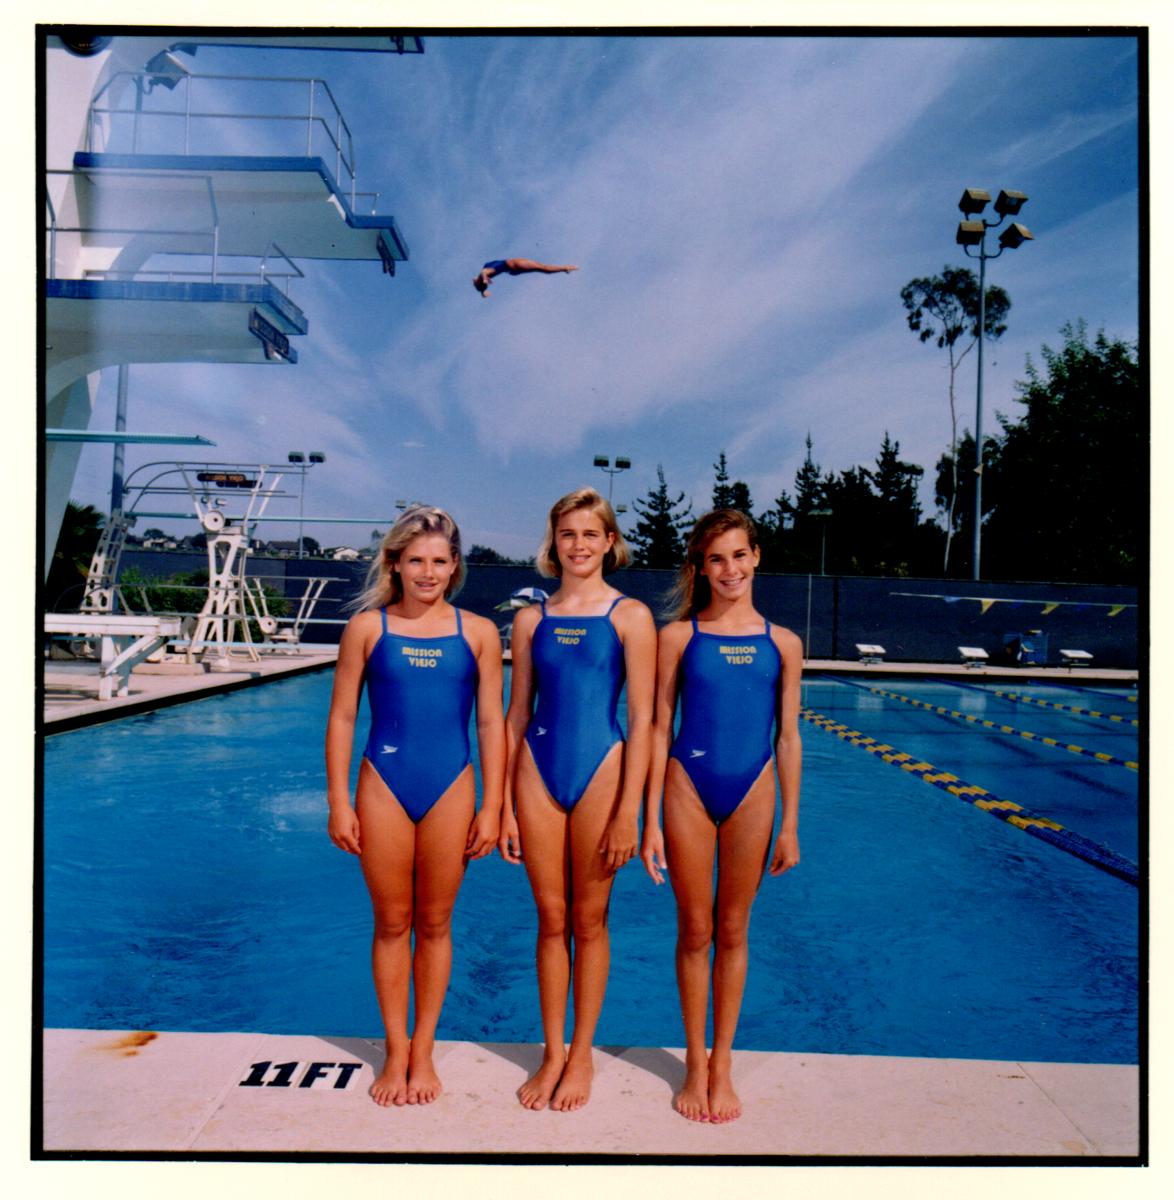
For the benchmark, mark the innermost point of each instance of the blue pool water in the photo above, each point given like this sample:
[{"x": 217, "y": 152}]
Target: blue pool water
[{"x": 189, "y": 884}]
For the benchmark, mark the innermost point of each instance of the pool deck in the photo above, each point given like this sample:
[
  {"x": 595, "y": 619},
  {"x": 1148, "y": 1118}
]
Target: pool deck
[
  {"x": 71, "y": 687},
  {"x": 220, "y": 1093}
]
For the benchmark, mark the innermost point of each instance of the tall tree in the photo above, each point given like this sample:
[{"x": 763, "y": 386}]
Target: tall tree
[
  {"x": 740, "y": 498},
  {"x": 1074, "y": 467},
  {"x": 722, "y": 492},
  {"x": 945, "y": 308},
  {"x": 658, "y": 539},
  {"x": 81, "y": 528}
]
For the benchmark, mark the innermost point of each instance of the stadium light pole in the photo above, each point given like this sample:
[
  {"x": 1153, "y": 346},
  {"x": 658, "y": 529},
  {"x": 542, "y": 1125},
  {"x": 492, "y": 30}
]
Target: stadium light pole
[
  {"x": 972, "y": 233},
  {"x": 299, "y": 459},
  {"x": 604, "y": 464},
  {"x": 823, "y": 535}
]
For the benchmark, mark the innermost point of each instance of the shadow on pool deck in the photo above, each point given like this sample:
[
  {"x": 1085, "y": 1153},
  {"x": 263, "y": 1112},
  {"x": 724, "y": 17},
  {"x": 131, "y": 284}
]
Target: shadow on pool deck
[{"x": 209, "y": 1094}]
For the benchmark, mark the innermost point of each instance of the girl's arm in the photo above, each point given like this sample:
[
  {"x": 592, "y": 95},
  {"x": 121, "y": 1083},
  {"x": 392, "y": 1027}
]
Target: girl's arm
[
  {"x": 671, "y": 645},
  {"x": 517, "y": 721},
  {"x": 788, "y": 751},
  {"x": 486, "y": 825},
  {"x": 638, "y": 634},
  {"x": 343, "y": 825}
]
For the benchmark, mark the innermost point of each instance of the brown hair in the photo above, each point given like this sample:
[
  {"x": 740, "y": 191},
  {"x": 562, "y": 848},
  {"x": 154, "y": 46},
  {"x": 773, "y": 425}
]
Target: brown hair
[
  {"x": 547, "y": 558},
  {"x": 383, "y": 585},
  {"x": 691, "y": 591}
]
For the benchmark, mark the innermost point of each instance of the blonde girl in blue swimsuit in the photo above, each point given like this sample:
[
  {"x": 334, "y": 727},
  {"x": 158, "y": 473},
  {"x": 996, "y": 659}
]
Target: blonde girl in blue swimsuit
[
  {"x": 426, "y": 665},
  {"x": 576, "y": 785}
]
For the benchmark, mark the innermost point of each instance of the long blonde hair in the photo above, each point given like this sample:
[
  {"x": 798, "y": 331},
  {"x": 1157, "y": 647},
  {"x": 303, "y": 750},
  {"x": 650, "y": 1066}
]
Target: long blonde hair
[
  {"x": 617, "y": 555},
  {"x": 691, "y": 591},
  {"x": 383, "y": 585}
]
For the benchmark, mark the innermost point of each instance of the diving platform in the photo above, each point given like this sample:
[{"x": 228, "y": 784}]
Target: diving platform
[
  {"x": 318, "y": 218},
  {"x": 99, "y": 323}
]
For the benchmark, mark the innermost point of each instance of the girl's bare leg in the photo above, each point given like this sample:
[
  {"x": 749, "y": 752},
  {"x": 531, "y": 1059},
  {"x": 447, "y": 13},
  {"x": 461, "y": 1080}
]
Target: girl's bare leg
[
  {"x": 690, "y": 843},
  {"x": 440, "y": 867},
  {"x": 388, "y": 838},
  {"x": 590, "y": 891},
  {"x": 743, "y": 844},
  {"x": 544, "y": 830}
]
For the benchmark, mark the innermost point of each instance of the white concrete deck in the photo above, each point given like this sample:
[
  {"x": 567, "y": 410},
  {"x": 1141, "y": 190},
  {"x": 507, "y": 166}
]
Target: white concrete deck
[
  {"x": 137, "y": 1091},
  {"x": 71, "y": 688}
]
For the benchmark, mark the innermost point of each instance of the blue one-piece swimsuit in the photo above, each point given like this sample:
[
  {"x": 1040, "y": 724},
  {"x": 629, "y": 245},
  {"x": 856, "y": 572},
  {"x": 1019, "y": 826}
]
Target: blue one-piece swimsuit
[
  {"x": 578, "y": 667},
  {"x": 421, "y": 694},
  {"x": 498, "y": 265},
  {"x": 729, "y": 689}
]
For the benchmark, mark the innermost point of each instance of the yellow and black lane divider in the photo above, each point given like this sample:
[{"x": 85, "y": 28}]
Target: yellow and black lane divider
[
  {"x": 998, "y": 727},
  {"x": 1006, "y": 810},
  {"x": 1019, "y": 698}
]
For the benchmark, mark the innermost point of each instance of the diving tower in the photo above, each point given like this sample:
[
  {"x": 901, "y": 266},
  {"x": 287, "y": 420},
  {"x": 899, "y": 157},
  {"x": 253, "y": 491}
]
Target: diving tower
[{"x": 176, "y": 213}]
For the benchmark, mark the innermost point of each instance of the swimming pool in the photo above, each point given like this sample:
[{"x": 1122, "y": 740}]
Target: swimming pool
[{"x": 189, "y": 884}]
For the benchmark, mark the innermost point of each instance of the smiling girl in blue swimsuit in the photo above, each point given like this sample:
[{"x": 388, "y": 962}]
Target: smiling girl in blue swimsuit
[
  {"x": 426, "y": 664},
  {"x": 576, "y": 785},
  {"x": 737, "y": 677}
]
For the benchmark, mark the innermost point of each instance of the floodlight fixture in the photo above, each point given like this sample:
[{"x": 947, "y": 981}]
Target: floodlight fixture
[
  {"x": 974, "y": 200},
  {"x": 970, "y": 233},
  {"x": 1008, "y": 204},
  {"x": 623, "y": 464},
  {"x": 317, "y": 456},
  {"x": 296, "y": 456},
  {"x": 601, "y": 460},
  {"x": 1014, "y": 236}
]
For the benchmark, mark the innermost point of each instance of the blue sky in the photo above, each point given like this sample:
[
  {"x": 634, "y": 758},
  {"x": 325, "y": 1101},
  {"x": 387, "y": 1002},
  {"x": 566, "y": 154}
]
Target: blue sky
[{"x": 744, "y": 212}]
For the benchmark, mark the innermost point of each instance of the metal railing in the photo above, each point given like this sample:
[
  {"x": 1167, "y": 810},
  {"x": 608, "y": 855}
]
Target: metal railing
[
  {"x": 214, "y": 272},
  {"x": 55, "y": 228},
  {"x": 330, "y": 122}
]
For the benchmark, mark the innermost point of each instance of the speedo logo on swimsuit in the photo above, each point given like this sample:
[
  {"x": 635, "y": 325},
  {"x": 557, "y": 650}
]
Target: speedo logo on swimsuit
[
  {"x": 389, "y": 750},
  {"x": 696, "y": 753},
  {"x": 738, "y": 654},
  {"x": 418, "y": 656},
  {"x": 568, "y": 637}
]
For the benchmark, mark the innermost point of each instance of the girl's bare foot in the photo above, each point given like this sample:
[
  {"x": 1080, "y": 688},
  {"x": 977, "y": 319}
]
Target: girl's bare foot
[
  {"x": 535, "y": 1093},
  {"x": 692, "y": 1100},
  {"x": 391, "y": 1086},
  {"x": 423, "y": 1083},
  {"x": 724, "y": 1104},
  {"x": 574, "y": 1088}
]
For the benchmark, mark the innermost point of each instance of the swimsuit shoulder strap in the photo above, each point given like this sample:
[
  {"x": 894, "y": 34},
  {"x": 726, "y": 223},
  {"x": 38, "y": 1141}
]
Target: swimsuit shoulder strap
[
  {"x": 613, "y": 604},
  {"x": 383, "y": 614},
  {"x": 766, "y": 623},
  {"x": 459, "y": 629},
  {"x": 694, "y": 620}
]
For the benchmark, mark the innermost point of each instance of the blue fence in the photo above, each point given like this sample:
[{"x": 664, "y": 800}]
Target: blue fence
[{"x": 909, "y": 617}]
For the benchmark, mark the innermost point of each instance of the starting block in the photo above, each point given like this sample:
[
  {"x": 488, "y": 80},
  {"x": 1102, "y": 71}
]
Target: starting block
[
  {"x": 870, "y": 654},
  {"x": 1075, "y": 658}
]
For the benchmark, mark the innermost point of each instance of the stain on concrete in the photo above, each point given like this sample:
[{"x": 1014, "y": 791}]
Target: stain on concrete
[{"x": 129, "y": 1043}]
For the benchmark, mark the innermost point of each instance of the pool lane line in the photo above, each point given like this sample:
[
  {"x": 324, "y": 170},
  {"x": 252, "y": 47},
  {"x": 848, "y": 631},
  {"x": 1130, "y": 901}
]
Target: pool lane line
[
  {"x": 1006, "y": 810},
  {"x": 1071, "y": 747},
  {"x": 1019, "y": 698}
]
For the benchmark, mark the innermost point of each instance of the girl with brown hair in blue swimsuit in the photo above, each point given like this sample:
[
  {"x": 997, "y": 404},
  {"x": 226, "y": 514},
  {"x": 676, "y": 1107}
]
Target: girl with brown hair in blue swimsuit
[{"x": 737, "y": 678}]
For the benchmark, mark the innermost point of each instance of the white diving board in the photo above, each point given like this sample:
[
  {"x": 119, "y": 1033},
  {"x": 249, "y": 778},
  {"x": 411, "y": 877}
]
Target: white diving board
[
  {"x": 126, "y": 641},
  {"x": 973, "y": 656},
  {"x": 1075, "y": 658},
  {"x": 131, "y": 439}
]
